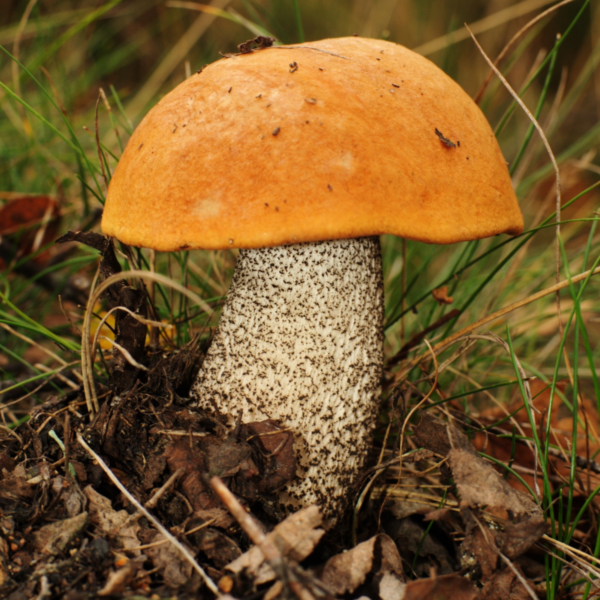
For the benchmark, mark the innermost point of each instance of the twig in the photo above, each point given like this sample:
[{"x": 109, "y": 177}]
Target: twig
[
  {"x": 247, "y": 523},
  {"x": 210, "y": 584},
  {"x": 163, "y": 542},
  {"x": 182, "y": 432},
  {"x": 45, "y": 591},
  {"x": 288, "y": 576},
  {"x": 12, "y": 433},
  {"x": 585, "y": 571},
  {"x": 160, "y": 492},
  {"x": 126, "y": 354},
  {"x": 567, "y": 549}
]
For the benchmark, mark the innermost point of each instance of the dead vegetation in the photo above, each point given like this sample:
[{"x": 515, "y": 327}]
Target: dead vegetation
[{"x": 149, "y": 499}]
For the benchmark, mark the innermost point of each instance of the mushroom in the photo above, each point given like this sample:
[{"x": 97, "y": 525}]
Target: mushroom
[{"x": 301, "y": 156}]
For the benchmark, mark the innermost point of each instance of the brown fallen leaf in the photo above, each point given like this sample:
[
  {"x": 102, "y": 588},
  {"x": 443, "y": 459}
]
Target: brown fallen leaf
[
  {"x": 30, "y": 222},
  {"x": 219, "y": 548},
  {"x": 377, "y": 556},
  {"x": 505, "y": 585},
  {"x": 440, "y": 437},
  {"x": 257, "y": 461},
  {"x": 520, "y": 520},
  {"x": 480, "y": 545},
  {"x": 55, "y": 537},
  {"x": 116, "y": 525},
  {"x": 14, "y": 490},
  {"x": 295, "y": 537},
  {"x": 516, "y": 538},
  {"x": 420, "y": 549},
  {"x": 120, "y": 579},
  {"x": 483, "y": 544},
  {"x": 447, "y": 587},
  {"x": 439, "y": 514},
  {"x": 169, "y": 561},
  {"x": 70, "y": 494},
  {"x": 441, "y": 295},
  {"x": 183, "y": 454},
  {"x": 219, "y": 517},
  {"x": 391, "y": 587},
  {"x": 479, "y": 484},
  {"x": 276, "y": 446}
]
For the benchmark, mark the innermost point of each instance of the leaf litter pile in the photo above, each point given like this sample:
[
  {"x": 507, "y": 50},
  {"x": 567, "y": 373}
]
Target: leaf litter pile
[{"x": 150, "y": 500}]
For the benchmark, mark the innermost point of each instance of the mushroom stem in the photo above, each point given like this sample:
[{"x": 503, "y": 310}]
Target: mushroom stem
[{"x": 301, "y": 340}]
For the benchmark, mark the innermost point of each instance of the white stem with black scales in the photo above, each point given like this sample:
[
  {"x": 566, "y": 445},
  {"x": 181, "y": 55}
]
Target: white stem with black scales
[{"x": 300, "y": 340}]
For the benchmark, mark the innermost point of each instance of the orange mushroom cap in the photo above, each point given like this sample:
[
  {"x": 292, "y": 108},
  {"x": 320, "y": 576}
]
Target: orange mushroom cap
[{"x": 325, "y": 140}]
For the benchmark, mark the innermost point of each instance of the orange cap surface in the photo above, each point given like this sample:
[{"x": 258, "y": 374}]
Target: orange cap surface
[{"x": 317, "y": 141}]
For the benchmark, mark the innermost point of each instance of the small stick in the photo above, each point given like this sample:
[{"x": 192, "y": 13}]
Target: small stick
[
  {"x": 210, "y": 584},
  {"x": 247, "y": 523},
  {"x": 186, "y": 433},
  {"x": 267, "y": 547},
  {"x": 162, "y": 542},
  {"x": 160, "y": 492}
]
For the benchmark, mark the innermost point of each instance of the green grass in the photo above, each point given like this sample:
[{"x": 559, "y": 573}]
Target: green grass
[{"x": 120, "y": 45}]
